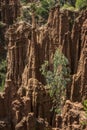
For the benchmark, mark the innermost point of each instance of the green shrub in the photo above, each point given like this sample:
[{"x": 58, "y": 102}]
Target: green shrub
[
  {"x": 81, "y": 4},
  {"x": 57, "y": 79}
]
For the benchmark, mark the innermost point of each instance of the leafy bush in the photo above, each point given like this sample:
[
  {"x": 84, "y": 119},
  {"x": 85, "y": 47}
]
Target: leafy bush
[
  {"x": 57, "y": 79},
  {"x": 81, "y": 4}
]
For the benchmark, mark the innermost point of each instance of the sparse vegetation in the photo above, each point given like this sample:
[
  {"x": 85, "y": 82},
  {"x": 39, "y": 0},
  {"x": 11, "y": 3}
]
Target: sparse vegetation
[
  {"x": 81, "y": 4},
  {"x": 2, "y": 74},
  {"x": 68, "y": 6},
  {"x": 41, "y": 10},
  {"x": 23, "y": 1},
  {"x": 2, "y": 24},
  {"x": 57, "y": 79},
  {"x": 84, "y": 123},
  {"x": 85, "y": 105}
]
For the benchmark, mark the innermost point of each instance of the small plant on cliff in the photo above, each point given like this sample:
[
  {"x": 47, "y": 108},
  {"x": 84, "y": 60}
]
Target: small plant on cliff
[
  {"x": 85, "y": 105},
  {"x": 84, "y": 123},
  {"x": 57, "y": 79}
]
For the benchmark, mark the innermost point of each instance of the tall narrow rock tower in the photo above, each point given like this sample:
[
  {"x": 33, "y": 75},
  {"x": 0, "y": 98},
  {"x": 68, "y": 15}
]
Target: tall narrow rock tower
[{"x": 9, "y": 10}]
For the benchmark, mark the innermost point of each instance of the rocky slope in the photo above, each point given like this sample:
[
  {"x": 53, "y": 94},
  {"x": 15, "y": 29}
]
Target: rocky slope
[{"x": 25, "y": 103}]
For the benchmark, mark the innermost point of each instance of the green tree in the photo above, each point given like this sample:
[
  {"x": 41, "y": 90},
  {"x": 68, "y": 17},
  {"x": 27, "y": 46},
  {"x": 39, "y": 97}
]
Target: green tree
[
  {"x": 57, "y": 79},
  {"x": 81, "y": 4}
]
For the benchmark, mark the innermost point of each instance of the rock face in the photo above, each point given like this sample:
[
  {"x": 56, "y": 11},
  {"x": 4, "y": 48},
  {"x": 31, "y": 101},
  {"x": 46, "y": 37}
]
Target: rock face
[
  {"x": 79, "y": 84},
  {"x": 26, "y": 100},
  {"x": 2, "y": 41},
  {"x": 9, "y": 11},
  {"x": 25, "y": 108},
  {"x": 73, "y": 117}
]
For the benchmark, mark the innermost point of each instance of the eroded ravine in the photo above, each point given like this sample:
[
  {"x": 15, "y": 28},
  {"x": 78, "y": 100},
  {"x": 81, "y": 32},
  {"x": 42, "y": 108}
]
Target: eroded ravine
[{"x": 25, "y": 103}]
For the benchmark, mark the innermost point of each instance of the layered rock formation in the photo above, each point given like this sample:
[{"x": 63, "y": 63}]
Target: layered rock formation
[
  {"x": 73, "y": 117},
  {"x": 2, "y": 41},
  {"x": 9, "y": 11},
  {"x": 25, "y": 99},
  {"x": 79, "y": 87}
]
